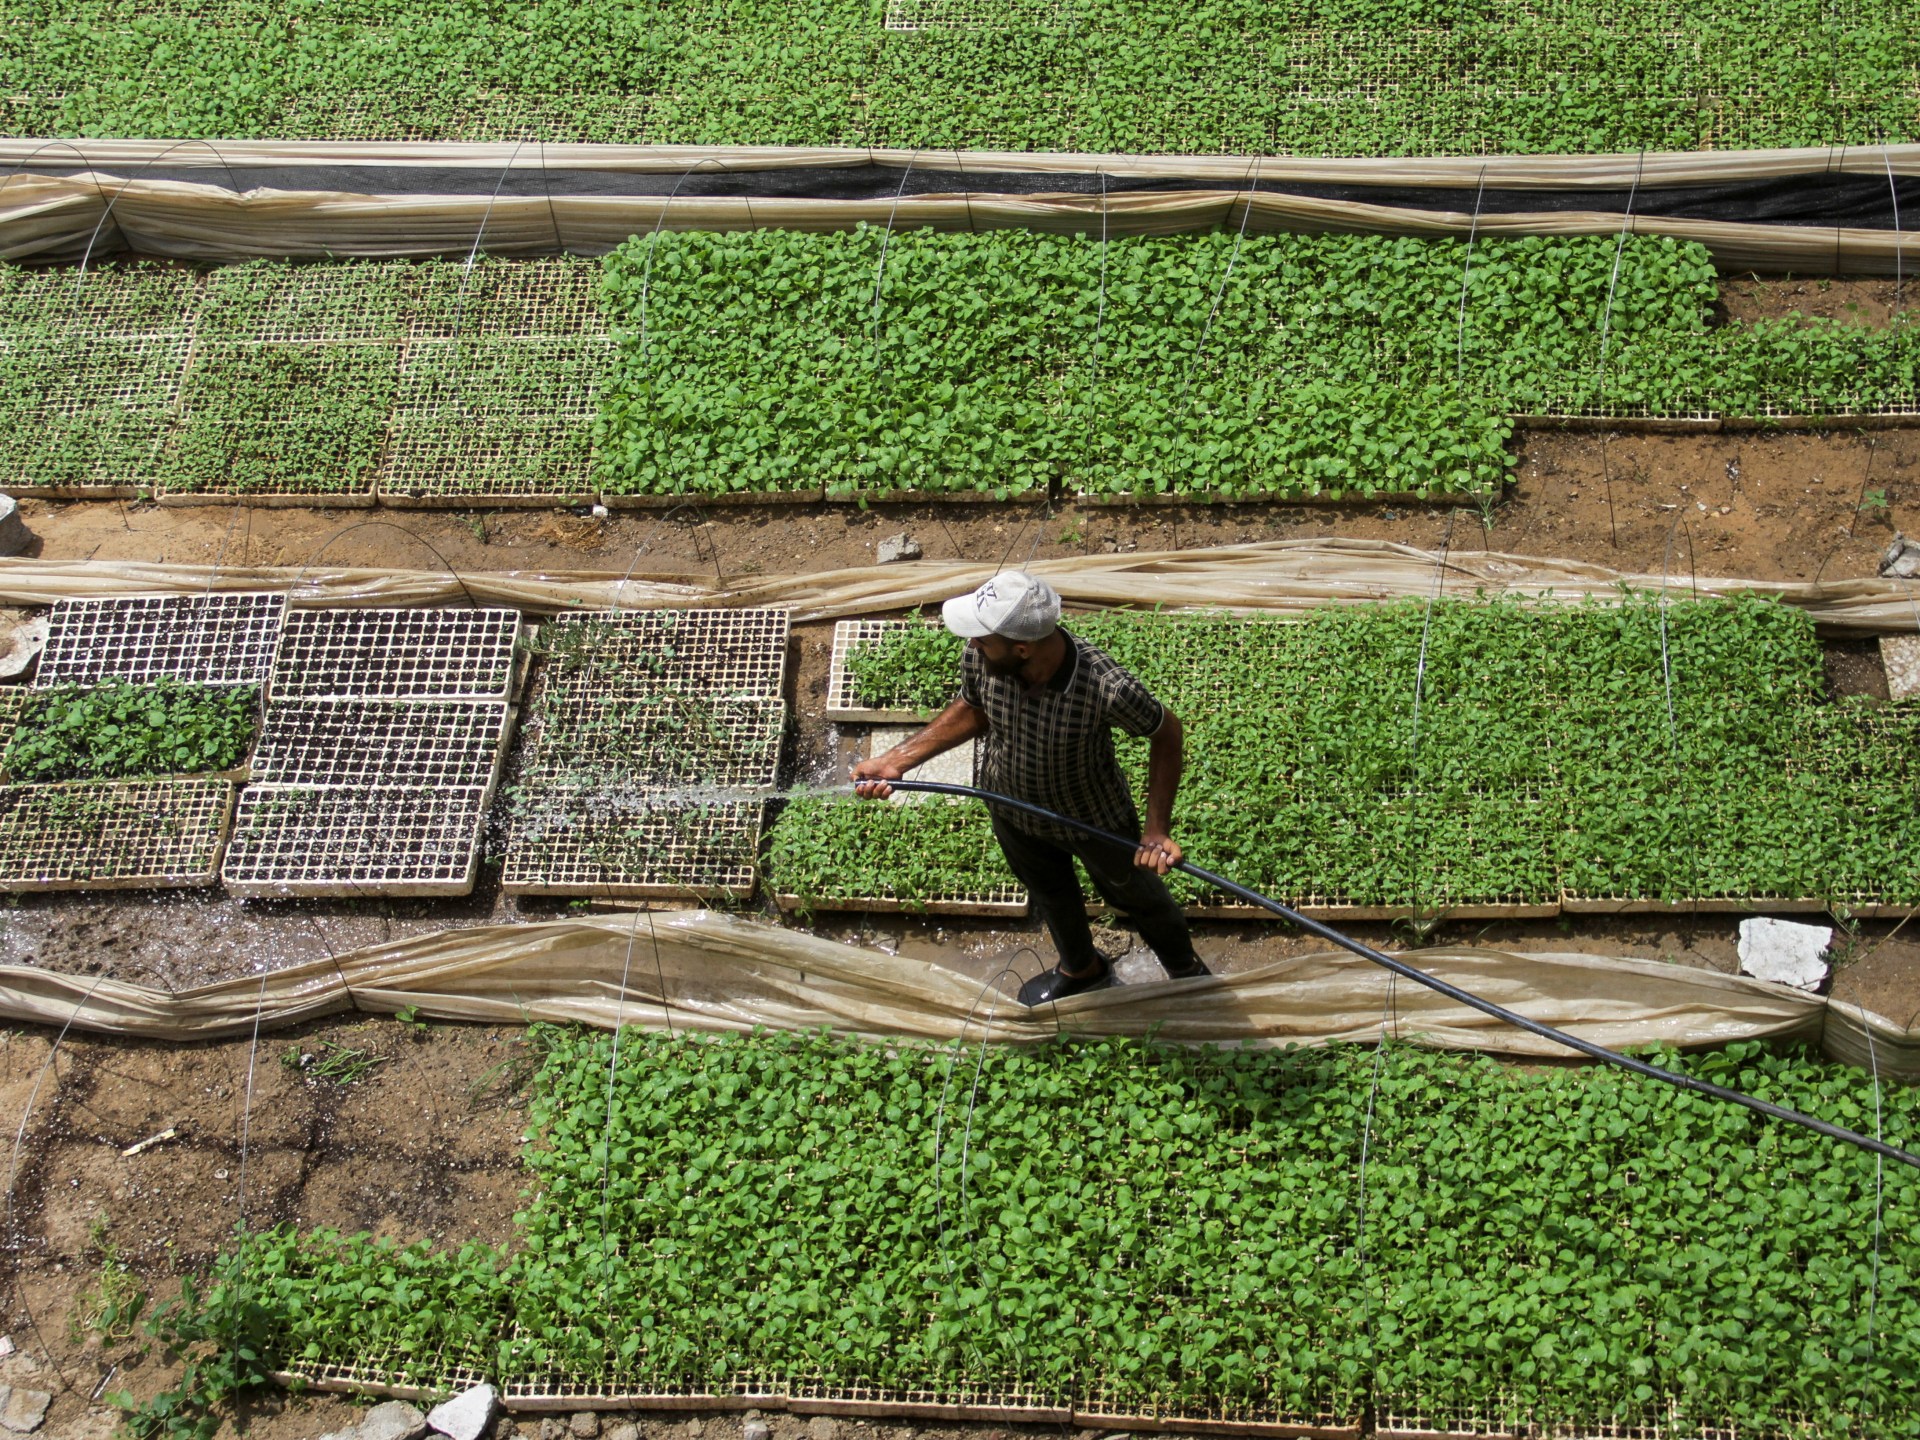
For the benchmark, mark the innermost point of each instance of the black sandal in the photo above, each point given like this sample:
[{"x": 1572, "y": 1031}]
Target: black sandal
[{"x": 1056, "y": 984}]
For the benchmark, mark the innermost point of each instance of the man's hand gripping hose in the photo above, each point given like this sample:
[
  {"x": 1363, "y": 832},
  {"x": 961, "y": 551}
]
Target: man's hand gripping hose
[{"x": 1420, "y": 977}]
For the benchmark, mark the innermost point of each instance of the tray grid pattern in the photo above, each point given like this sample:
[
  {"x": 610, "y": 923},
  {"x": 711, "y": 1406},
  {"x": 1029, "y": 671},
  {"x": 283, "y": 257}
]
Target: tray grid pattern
[
  {"x": 355, "y": 840},
  {"x": 452, "y": 743},
  {"x": 606, "y": 745},
  {"x": 396, "y": 654},
  {"x": 632, "y": 653},
  {"x": 213, "y": 639},
  {"x": 622, "y": 848},
  {"x": 145, "y": 834},
  {"x": 844, "y": 701}
]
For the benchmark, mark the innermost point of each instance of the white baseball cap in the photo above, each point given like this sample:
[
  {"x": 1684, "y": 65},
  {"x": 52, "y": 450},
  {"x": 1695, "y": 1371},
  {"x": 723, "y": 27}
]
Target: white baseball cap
[{"x": 1012, "y": 604}]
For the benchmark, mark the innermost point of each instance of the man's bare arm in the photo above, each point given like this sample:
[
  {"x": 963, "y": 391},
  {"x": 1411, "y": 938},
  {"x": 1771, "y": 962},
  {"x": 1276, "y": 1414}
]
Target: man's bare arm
[
  {"x": 955, "y": 725},
  {"x": 1166, "y": 758}
]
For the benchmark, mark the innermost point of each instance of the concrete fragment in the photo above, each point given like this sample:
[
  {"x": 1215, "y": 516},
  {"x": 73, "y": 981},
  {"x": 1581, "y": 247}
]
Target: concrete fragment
[
  {"x": 1902, "y": 560},
  {"x": 823, "y": 1427},
  {"x": 1900, "y": 654},
  {"x": 22, "y": 1410},
  {"x": 6, "y": 1346},
  {"x": 583, "y": 1425},
  {"x": 22, "y": 638},
  {"x": 552, "y": 1427},
  {"x": 897, "y": 547},
  {"x": 756, "y": 1430},
  {"x": 1784, "y": 951},
  {"x": 394, "y": 1420},
  {"x": 465, "y": 1416},
  {"x": 625, "y": 1430},
  {"x": 14, "y": 534}
]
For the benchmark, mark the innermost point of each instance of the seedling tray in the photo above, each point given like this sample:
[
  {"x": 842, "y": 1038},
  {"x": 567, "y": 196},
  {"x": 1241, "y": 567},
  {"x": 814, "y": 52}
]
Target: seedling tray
[
  {"x": 843, "y": 699},
  {"x": 864, "y": 498},
  {"x": 1098, "y": 1410},
  {"x": 293, "y": 840},
  {"x": 302, "y": 304},
  {"x": 11, "y": 697},
  {"x": 621, "y": 849},
  {"x": 115, "y": 301},
  {"x": 450, "y": 743},
  {"x": 612, "y": 746},
  {"x": 1405, "y": 1418},
  {"x": 213, "y": 639},
  {"x": 136, "y": 835},
  {"x": 1008, "y": 902},
  {"x": 719, "y": 499},
  {"x": 509, "y": 299},
  {"x": 1577, "y": 904},
  {"x": 635, "y": 653},
  {"x": 396, "y": 654},
  {"x": 1150, "y": 498},
  {"x": 98, "y": 415}
]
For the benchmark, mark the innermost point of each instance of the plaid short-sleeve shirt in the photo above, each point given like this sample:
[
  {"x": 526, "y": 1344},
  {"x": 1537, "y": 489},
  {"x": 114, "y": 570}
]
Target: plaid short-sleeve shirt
[{"x": 1054, "y": 746}]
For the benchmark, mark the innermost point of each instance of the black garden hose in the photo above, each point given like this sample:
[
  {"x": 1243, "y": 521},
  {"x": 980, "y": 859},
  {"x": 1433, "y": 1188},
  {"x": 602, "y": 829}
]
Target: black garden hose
[{"x": 1420, "y": 977}]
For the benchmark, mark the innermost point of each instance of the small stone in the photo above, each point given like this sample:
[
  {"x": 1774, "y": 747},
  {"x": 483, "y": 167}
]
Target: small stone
[
  {"x": 464, "y": 1417},
  {"x": 1784, "y": 951},
  {"x": 1902, "y": 560},
  {"x": 600, "y": 512},
  {"x": 552, "y": 1427},
  {"x": 13, "y": 531},
  {"x": 395, "y": 1420},
  {"x": 823, "y": 1427},
  {"x": 756, "y": 1430},
  {"x": 583, "y": 1425},
  {"x": 897, "y": 547},
  {"x": 21, "y": 1411},
  {"x": 625, "y": 1430},
  {"x": 6, "y": 1346}
]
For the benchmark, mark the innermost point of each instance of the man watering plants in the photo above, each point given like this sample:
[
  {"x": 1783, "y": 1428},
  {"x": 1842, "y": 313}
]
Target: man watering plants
[{"x": 1043, "y": 705}]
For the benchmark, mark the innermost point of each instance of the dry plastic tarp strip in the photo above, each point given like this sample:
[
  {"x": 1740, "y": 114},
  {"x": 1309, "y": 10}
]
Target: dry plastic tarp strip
[
  {"x": 705, "y": 970},
  {"x": 1264, "y": 577},
  {"x": 60, "y": 219}
]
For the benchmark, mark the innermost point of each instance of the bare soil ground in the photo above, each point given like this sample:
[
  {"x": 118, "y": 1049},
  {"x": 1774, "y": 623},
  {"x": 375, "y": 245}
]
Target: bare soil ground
[{"x": 425, "y": 1144}]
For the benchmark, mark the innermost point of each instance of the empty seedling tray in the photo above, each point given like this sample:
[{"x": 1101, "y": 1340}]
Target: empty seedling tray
[
  {"x": 453, "y": 743},
  {"x": 224, "y": 639},
  {"x": 133, "y": 835},
  {"x": 843, "y": 698},
  {"x": 293, "y": 840},
  {"x": 615, "y": 848},
  {"x": 416, "y": 654},
  {"x": 642, "y": 652}
]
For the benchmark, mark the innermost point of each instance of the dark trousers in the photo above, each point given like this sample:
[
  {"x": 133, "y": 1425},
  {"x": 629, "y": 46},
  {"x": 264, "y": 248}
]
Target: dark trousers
[{"x": 1045, "y": 867}]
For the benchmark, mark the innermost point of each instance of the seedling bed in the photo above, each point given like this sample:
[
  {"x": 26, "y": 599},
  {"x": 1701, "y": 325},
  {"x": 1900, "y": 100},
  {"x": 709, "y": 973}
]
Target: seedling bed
[
  {"x": 134, "y": 835},
  {"x": 635, "y": 653},
  {"x": 1008, "y": 902},
  {"x": 843, "y": 697},
  {"x": 86, "y": 417},
  {"x": 517, "y": 465},
  {"x": 614, "y": 849},
  {"x": 509, "y": 299},
  {"x": 611, "y": 745},
  {"x": 213, "y": 639},
  {"x": 101, "y": 302},
  {"x": 719, "y": 499},
  {"x": 273, "y": 302},
  {"x": 1097, "y": 1409},
  {"x": 413, "y": 654},
  {"x": 450, "y": 743},
  {"x": 293, "y": 840}
]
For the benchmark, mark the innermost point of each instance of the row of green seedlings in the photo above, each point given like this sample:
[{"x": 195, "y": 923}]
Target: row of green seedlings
[
  {"x": 1147, "y": 1230},
  {"x": 1219, "y": 366},
  {"x": 858, "y": 365},
  {"x": 1344, "y": 77},
  {"x": 270, "y": 378},
  {"x": 1647, "y": 750}
]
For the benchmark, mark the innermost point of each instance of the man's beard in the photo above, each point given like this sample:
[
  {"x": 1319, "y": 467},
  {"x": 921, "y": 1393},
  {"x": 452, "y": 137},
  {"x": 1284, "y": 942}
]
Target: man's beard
[{"x": 1007, "y": 668}]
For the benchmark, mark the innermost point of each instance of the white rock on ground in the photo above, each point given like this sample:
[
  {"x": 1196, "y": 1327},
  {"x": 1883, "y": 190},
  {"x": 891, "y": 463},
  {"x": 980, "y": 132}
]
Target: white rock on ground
[
  {"x": 13, "y": 530},
  {"x": 22, "y": 1410},
  {"x": 583, "y": 1425},
  {"x": 1784, "y": 951},
  {"x": 394, "y": 1420},
  {"x": 1902, "y": 560},
  {"x": 756, "y": 1430},
  {"x": 465, "y": 1416},
  {"x": 625, "y": 1430},
  {"x": 895, "y": 548}
]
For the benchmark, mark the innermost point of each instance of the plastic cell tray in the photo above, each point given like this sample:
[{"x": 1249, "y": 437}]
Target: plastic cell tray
[
  {"x": 416, "y": 654},
  {"x": 665, "y": 742},
  {"x": 291, "y": 840},
  {"x": 843, "y": 698},
  {"x": 642, "y": 652},
  {"x": 453, "y": 743},
  {"x": 635, "y": 848},
  {"x": 213, "y": 639},
  {"x": 133, "y": 835}
]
